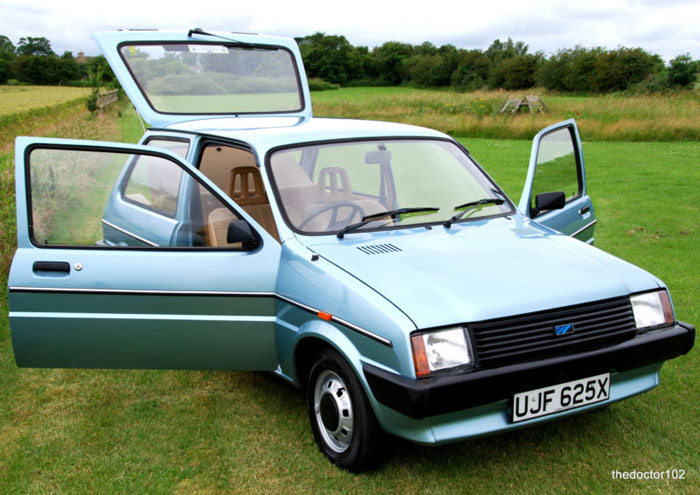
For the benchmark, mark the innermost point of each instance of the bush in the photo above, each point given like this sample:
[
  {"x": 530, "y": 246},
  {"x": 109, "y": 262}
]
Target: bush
[
  {"x": 655, "y": 83},
  {"x": 318, "y": 84},
  {"x": 191, "y": 84},
  {"x": 4, "y": 71},
  {"x": 472, "y": 70},
  {"x": 556, "y": 73},
  {"x": 78, "y": 83},
  {"x": 45, "y": 70},
  {"x": 516, "y": 72},
  {"x": 616, "y": 70},
  {"x": 682, "y": 72},
  {"x": 96, "y": 83}
]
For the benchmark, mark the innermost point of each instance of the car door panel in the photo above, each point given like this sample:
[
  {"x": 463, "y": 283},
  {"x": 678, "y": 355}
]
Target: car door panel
[
  {"x": 556, "y": 164},
  {"x": 144, "y": 307}
]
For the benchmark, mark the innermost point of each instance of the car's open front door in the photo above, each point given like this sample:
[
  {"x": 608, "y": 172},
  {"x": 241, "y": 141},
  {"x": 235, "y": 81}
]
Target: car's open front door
[
  {"x": 556, "y": 166},
  {"x": 126, "y": 259}
]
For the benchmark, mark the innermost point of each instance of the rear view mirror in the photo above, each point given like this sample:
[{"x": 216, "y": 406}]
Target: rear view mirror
[
  {"x": 240, "y": 231},
  {"x": 548, "y": 201},
  {"x": 377, "y": 157}
]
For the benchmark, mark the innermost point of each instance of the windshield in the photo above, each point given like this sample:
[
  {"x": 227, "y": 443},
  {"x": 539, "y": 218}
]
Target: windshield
[
  {"x": 197, "y": 78},
  {"x": 324, "y": 188}
]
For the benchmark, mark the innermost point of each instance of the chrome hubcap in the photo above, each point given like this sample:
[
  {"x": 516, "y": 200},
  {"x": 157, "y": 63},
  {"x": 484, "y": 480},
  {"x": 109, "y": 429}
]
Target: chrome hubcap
[{"x": 333, "y": 410}]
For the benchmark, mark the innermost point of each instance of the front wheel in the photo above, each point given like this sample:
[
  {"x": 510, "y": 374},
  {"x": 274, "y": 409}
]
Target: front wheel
[{"x": 342, "y": 420}]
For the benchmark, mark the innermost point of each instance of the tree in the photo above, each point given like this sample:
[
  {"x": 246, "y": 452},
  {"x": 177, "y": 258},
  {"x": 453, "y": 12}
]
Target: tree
[
  {"x": 500, "y": 50},
  {"x": 36, "y": 69},
  {"x": 391, "y": 62},
  {"x": 34, "y": 46},
  {"x": 616, "y": 70},
  {"x": 7, "y": 49},
  {"x": 68, "y": 69},
  {"x": 5, "y": 71},
  {"x": 517, "y": 72},
  {"x": 448, "y": 64},
  {"x": 33, "y": 69},
  {"x": 497, "y": 53},
  {"x": 327, "y": 57},
  {"x": 682, "y": 72},
  {"x": 556, "y": 73},
  {"x": 472, "y": 70},
  {"x": 583, "y": 68},
  {"x": 90, "y": 67},
  {"x": 424, "y": 70},
  {"x": 7, "y": 54}
]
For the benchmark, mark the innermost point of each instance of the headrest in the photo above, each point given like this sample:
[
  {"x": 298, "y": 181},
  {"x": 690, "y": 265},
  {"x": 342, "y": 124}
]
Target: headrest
[
  {"x": 334, "y": 182},
  {"x": 246, "y": 186}
]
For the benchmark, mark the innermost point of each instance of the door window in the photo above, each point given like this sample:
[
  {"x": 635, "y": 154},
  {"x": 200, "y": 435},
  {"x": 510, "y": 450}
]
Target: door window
[
  {"x": 107, "y": 198},
  {"x": 557, "y": 166}
]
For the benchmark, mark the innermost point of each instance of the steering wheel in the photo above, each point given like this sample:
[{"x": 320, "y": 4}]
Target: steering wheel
[{"x": 334, "y": 223}]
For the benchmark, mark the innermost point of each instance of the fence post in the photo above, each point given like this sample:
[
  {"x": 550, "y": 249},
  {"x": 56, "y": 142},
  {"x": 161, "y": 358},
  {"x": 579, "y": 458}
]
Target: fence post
[{"x": 104, "y": 99}]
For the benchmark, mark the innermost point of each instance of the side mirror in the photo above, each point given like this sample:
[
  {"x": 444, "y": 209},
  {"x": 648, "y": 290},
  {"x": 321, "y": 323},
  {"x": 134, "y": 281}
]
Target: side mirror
[
  {"x": 548, "y": 201},
  {"x": 240, "y": 231}
]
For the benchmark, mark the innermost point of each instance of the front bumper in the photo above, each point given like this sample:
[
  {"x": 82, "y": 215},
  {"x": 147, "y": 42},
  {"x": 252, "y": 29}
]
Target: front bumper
[{"x": 448, "y": 393}]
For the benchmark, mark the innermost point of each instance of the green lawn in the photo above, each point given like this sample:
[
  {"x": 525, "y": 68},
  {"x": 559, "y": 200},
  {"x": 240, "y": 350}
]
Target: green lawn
[{"x": 92, "y": 431}]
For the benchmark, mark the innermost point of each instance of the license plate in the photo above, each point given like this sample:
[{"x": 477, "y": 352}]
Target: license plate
[{"x": 561, "y": 397}]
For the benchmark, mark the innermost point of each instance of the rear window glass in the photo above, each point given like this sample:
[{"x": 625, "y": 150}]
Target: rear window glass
[{"x": 196, "y": 78}]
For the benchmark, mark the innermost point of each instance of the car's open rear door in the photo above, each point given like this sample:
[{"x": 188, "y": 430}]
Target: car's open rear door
[{"x": 173, "y": 77}]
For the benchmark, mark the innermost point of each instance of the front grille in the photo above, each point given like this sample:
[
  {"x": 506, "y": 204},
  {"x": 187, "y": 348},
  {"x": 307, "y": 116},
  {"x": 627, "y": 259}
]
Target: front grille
[{"x": 532, "y": 336}]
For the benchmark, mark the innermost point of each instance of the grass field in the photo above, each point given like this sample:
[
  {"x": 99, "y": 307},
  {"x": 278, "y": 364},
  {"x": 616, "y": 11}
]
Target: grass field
[
  {"x": 92, "y": 431},
  {"x": 26, "y": 110},
  {"x": 17, "y": 99},
  {"x": 601, "y": 118}
]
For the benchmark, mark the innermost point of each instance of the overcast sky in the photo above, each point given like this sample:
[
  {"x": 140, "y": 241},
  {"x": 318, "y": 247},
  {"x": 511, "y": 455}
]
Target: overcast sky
[{"x": 666, "y": 27}]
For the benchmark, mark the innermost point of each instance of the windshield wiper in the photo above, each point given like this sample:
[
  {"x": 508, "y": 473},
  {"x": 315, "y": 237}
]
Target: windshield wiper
[
  {"x": 391, "y": 213},
  {"x": 205, "y": 33},
  {"x": 470, "y": 206}
]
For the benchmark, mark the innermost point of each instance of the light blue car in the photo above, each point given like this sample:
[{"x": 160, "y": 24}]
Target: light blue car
[{"x": 375, "y": 265}]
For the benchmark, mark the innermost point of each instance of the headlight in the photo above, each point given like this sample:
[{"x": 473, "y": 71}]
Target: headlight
[
  {"x": 652, "y": 310},
  {"x": 440, "y": 350}
]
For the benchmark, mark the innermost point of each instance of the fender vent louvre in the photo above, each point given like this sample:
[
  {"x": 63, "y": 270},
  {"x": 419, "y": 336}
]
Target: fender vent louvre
[{"x": 378, "y": 249}]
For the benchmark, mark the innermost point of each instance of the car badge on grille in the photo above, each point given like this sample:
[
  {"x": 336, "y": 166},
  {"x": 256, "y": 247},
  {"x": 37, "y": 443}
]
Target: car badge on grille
[{"x": 564, "y": 329}]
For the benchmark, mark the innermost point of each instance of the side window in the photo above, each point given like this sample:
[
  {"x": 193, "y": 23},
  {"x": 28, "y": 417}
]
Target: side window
[
  {"x": 177, "y": 146},
  {"x": 557, "y": 166},
  {"x": 109, "y": 198},
  {"x": 154, "y": 184}
]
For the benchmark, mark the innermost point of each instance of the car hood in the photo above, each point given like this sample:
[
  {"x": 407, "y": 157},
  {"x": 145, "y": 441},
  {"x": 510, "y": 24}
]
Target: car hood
[{"x": 481, "y": 270}]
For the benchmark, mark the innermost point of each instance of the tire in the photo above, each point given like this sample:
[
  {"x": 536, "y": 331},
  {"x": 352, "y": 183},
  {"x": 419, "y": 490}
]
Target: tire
[{"x": 342, "y": 420}]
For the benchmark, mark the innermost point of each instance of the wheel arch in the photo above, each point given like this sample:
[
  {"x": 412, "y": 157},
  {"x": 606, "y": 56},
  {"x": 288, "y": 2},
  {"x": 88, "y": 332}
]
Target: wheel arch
[{"x": 315, "y": 336}]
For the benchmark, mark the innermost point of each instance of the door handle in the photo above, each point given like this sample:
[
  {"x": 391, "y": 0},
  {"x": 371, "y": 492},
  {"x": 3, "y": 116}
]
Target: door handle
[
  {"x": 584, "y": 210},
  {"x": 51, "y": 266}
]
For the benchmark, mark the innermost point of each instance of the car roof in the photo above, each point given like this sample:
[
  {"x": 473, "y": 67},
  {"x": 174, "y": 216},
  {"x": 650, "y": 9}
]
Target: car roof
[{"x": 270, "y": 132}]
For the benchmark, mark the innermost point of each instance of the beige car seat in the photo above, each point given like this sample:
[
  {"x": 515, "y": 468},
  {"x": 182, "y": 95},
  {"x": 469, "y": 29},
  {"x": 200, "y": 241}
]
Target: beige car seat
[
  {"x": 217, "y": 227},
  {"x": 246, "y": 189}
]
